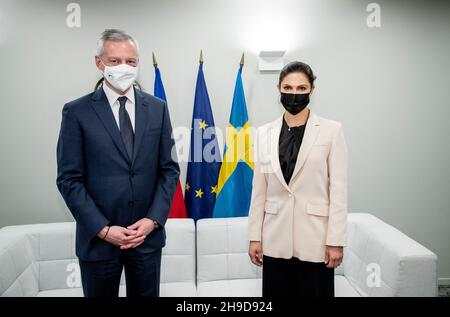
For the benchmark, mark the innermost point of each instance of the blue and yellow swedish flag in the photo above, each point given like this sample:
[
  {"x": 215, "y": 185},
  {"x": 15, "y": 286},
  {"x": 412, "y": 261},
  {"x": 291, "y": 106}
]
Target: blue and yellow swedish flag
[
  {"x": 204, "y": 156},
  {"x": 234, "y": 186}
]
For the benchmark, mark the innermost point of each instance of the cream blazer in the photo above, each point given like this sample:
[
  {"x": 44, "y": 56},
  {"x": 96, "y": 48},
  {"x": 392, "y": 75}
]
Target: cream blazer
[{"x": 300, "y": 218}]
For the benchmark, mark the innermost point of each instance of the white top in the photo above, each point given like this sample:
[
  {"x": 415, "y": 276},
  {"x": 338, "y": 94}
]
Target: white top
[{"x": 112, "y": 97}]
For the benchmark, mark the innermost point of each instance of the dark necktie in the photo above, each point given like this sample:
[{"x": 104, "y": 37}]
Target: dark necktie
[{"x": 126, "y": 129}]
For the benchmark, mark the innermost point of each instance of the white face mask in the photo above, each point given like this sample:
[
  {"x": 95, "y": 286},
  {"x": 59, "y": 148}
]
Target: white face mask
[{"x": 121, "y": 76}]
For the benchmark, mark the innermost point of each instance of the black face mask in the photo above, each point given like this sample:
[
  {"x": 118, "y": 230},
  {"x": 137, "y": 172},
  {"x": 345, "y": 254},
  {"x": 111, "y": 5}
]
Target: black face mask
[{"x": 294, "y": 103}]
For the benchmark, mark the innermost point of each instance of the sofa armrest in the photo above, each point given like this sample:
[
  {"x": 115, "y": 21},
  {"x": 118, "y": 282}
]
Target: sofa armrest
[{"x": 382, "y": 261}]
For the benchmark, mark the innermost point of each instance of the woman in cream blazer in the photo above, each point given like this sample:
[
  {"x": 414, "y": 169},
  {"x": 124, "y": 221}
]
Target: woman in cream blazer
[{"x": 298, "y": 213}]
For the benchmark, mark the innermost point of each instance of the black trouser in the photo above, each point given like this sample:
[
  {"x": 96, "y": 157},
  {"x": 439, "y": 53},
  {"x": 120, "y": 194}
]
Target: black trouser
[
  {"x": 142, "y": 275},
  {"x": 292, "y": 277}
]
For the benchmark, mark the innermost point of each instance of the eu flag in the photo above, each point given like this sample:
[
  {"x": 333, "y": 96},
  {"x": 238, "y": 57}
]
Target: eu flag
[
  {"x": 204, "y": 156},
  {"x": 234, "y": 187}
]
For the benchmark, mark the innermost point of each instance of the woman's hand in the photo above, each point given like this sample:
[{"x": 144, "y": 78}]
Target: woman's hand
[
  {"x": 333, "y": 256},
  {"x": 255, "y": 252}
]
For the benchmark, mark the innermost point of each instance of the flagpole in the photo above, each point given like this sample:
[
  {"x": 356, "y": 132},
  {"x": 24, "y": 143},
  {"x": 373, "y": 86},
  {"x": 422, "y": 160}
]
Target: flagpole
[
  {"x": 155, "y": 63},
  {"x": 242, "y": 60},
  {"x": 201, "y": 57}
]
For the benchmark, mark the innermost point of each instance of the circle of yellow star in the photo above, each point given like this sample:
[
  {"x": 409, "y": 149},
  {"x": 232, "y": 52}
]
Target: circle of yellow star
[
  {"x": 202, "y": 125},
  {"x": 199, "y": 193},
  {"x": 187, "y": 187},
  {"x": 214, "y": 189}
]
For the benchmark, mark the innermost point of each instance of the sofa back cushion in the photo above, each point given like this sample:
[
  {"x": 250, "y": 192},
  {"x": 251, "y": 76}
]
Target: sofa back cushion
[
  {"x": 222, "y": 250},
  {"x": 178, "y": 259}
]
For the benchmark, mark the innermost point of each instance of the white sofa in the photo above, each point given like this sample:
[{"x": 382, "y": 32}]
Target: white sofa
[{"x": 39, "y": 260}]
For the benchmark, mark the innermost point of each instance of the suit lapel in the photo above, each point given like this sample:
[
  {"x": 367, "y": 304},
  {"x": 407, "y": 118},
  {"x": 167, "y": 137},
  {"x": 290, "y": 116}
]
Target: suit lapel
[
  {"x": 140, "y": 121},
  {"x": 103, "y": 109},
  {"x": 309, "y": 138},
  {"x": 275, "y": 159}
]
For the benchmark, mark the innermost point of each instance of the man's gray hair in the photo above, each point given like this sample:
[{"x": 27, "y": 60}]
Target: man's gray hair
[{"x": 114, "y": 35}]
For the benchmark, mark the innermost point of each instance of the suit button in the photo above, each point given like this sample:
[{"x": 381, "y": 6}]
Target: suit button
[
  {"x": 290, "y": 195},
  {"x": 131, "y": 203}
]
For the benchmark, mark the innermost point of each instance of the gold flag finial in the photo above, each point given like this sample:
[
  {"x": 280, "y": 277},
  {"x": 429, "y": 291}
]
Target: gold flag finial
[
  {"x": 201, "y": 57},
  {"x": 155, "y": 63},
  {"x": 242, "y": 60}
]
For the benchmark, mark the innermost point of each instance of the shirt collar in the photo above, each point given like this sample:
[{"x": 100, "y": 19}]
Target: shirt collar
[{"x": 112, "y": 96}]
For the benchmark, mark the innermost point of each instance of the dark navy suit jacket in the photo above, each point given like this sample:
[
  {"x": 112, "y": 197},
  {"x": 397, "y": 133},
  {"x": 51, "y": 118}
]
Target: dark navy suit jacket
[{"x": 101, "y": 185}]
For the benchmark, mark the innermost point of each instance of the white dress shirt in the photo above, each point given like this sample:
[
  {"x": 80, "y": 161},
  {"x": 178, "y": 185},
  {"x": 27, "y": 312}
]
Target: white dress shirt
[{"x": 112, "y": 97}]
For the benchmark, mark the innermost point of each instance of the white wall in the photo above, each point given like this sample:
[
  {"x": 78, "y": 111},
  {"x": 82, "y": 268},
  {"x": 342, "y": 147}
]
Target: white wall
[{"x": 389, "y": 86}]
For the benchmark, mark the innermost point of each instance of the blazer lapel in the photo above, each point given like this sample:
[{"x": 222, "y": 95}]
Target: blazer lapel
[
  {"x": 309, "y": 138},
  {"x": 275, "y": 158},
  {"x": 140, "y": 121},
  {"x": 103, "y": 109}
]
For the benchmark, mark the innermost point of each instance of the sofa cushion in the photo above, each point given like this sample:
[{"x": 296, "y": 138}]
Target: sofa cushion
[
  {"x": 222, "y": 251},
  {"x": 251, "y": 287},
  {"x": 178, "y": 256},
  {"x": 343, "y": 288},
  {"x": 166, "y": 290}
]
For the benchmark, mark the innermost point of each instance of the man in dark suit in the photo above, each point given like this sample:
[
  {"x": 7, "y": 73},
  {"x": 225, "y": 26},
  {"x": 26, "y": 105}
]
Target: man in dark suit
[{"x": 117, "y": 173}]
